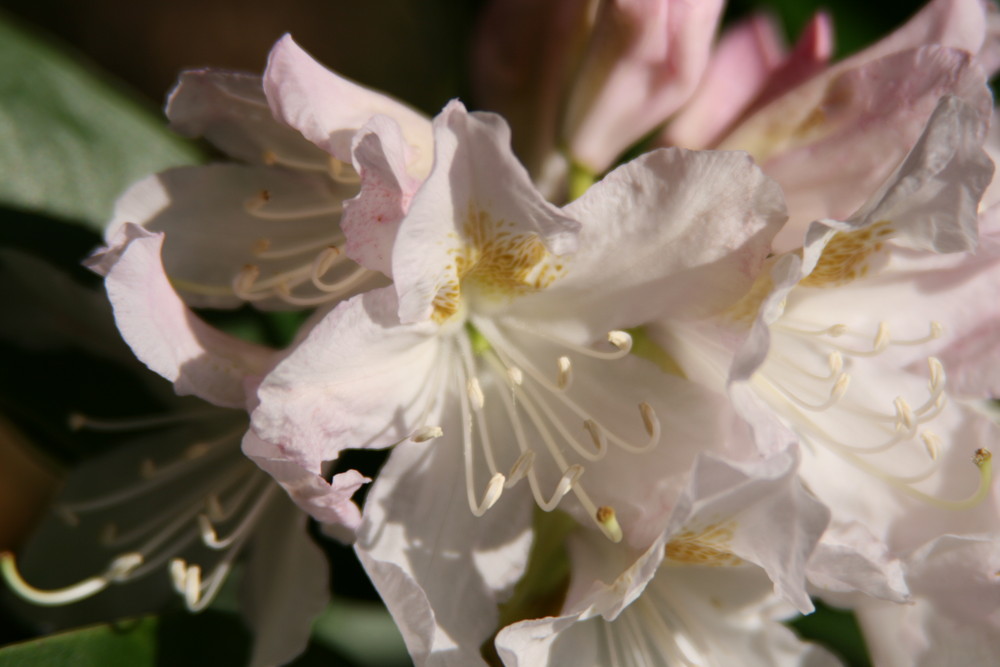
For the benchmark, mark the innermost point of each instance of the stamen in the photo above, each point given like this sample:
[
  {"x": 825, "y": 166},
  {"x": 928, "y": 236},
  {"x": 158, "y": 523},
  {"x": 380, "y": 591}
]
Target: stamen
[
  {"x": 932, "y": 443},
  {"x": 427, "y": 433},
  {"x": 243, "y": 282},
  {"x": 565, "y": 376},
  {"x": 621, "y": 340},
  {"x": 79, "y": 421},
  {"x": 515, "y": 375},
  {"x": 255, "y": 207},
  {"x": 608, "y": 522},
  {"x": 263, "y": 247},
  {"x": 335, "y": 289},
  {"x": 475, "y": 392},
  {"x": 520, "y": 468},
  {"x": 271, "y": 159},
  {"x": 597, "y": 435},
  {"x": 211, "y": 539},
  {"x": 119, "y": 570},
  {"x": 344, "y": 173},
  {"x": 493, "y": 492}
]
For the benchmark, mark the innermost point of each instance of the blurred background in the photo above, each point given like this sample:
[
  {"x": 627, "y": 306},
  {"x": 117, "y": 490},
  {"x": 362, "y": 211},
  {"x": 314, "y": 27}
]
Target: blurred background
[{"x": 416, "y": 50}]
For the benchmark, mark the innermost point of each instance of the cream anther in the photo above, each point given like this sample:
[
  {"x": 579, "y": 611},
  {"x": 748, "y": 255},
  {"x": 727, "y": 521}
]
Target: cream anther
[
  {"x": 606, "y": 519},
  {"x": 565, "y": 376},
  {"x": 475, "y": 392},
  {"x": 427, "y": 433},
  {"x": 881, "y": 340},
  {"x": 493, "y": 492},
  {"x": 521, "y": 467},
  {"x": 515, "y": 375},
  {"x": 244, "y": 280},
  {"x": 123, "y": 566},
  {"x": 650, "y": 421},
  {"x": 178, "y": 574},
  {"x": 904, "y": 414},
  {"x": 621, "y": 340},
  {"x": 932, "y": 443},
  {"x": 597, "y": 435},
  {"x": 836, "y": 361}
]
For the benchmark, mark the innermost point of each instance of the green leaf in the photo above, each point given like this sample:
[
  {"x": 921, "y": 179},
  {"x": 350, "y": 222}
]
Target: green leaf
[
  {"x": 362, "y": 631},
  {"x": 70, "y": 142},
  {"x": 128, "y": 644}
]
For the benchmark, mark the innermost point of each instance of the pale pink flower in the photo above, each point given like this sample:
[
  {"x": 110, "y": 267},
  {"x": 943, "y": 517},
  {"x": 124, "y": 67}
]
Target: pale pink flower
[
  {"x": 842, "y": 357},
  {"x": 499, "y": 366},
  {"x": 702, "y": 593},
  {"x": 833, "y": 139},
  {"x": 268, "y": 232}
]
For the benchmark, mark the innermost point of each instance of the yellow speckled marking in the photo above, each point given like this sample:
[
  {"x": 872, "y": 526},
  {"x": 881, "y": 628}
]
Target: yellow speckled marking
[
  {"x": 498, "y": 260},
  {"x": 705, "y": 547},
  {"x": 745, "y": 310},
  {"x": 846, "y": 257}
]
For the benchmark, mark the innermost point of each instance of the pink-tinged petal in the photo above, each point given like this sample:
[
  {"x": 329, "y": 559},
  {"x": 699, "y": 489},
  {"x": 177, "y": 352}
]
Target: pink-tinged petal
[
  {"x": 673, "y": 233},
  {"x": 328, "y": 502},
  {"x": 327, "y": 109},
  {"x": 757, "y": 511},
  {"x": 359, "y": 379},
  {"x": 434, "y": 563},
  {"x": 953, "y": 618},
  {"x": 371, "y": 220},
  {"x": 834, "y": 141},
  {"x": 476, "y": 181},
  {"x": 746, "y": 55},
  {"x": 221, "y": 218},
  {"x": 849, "y": 558},
  {"x": 644, "y": 61},
  {"x": 284, "y": 585},
  {"x": 164, "y": 334},
  {"x": 229, "y": 109},
  {"x": 933, "y": 198},
  {"x": 959, "y": 24},
  {"x": 810, "y": 55},
  {"x": 971, "y": 351},
  {"x": 522, "y": 58}
]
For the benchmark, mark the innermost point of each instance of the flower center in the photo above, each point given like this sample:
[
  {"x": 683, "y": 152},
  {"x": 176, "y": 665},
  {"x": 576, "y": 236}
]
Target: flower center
[
  {"x": 493, "y": 262},
  {"x": 528, "y": 414}
]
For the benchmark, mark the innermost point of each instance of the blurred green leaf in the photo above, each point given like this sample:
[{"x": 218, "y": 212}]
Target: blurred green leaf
[
  {"x": 836, "y": 629},
  {"x": 362, "y": 631},
  {"x": 129, "y": 644},
  {"x": 70, "y": 142}
]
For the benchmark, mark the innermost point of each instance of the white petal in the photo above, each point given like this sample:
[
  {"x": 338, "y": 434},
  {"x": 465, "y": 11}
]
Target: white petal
[{"x": 164, "y": 333}]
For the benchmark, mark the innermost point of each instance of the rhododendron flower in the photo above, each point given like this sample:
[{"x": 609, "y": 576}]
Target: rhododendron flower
[
  {"x": 834, "y": 357},
  {"x": 268, "y": 232},
  {"x": 500, "y": 363},
  {"x": 698, "y": 595},
  {"x": 171, "y": 511},
  {"x": 834, "y": 138}
]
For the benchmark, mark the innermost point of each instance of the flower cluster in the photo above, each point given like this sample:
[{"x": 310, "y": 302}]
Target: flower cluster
[{"x": 638, "y": 411}]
